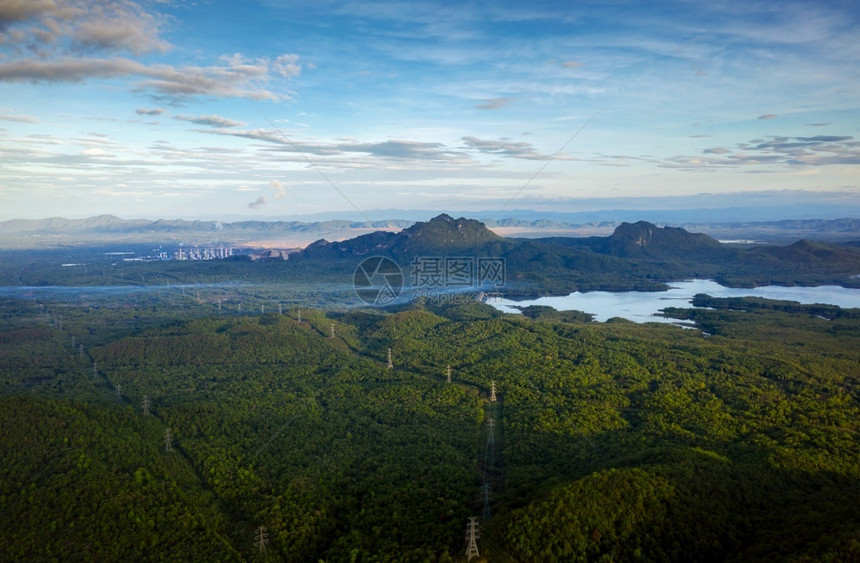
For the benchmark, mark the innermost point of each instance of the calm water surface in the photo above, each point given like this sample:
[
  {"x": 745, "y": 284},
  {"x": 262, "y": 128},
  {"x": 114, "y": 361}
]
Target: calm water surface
[{"x": 642, "y": 306}]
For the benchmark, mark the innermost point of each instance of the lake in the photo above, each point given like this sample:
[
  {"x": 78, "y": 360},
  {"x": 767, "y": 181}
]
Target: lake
[{"x": 642, "y": 306}]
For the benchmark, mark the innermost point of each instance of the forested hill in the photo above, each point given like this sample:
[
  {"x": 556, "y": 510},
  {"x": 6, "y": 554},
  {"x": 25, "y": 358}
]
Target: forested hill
[
  {"x": 186, "y": 438},
  {"x": 643, "y": 239},
  {"x": 442, "y": 234},
  {"x": 636, "y": 256}
]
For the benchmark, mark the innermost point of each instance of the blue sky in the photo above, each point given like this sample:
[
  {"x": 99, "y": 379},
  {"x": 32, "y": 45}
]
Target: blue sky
[{"x": 277, "y": 109}]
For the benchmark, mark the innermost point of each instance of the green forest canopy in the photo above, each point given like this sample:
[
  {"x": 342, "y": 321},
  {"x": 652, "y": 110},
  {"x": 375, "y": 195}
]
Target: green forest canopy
[{"x": 614, "y": 441}]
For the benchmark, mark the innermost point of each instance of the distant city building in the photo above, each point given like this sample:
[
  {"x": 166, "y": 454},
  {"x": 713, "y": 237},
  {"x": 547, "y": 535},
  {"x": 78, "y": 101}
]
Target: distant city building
[{"x": 202, "y": 253}]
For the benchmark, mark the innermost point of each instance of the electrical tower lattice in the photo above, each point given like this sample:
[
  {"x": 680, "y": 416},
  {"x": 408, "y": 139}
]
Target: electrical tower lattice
[
  {"x": 471, "y": 538},
  {"x": 261, "y": 538}
]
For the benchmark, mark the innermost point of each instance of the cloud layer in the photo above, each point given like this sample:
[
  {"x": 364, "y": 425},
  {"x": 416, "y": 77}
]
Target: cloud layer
[{"x": 77, "y": 40}]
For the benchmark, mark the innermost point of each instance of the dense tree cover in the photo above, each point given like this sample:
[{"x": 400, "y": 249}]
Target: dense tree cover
[
  {"x": 87, "y": 483},
  {"x": 615, "y": 441}
]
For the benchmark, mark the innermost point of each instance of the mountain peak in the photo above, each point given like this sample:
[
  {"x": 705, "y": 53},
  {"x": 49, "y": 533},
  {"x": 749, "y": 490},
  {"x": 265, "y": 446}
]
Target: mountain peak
[
  {"x": 442, "y": 217},
  {"x": 644, "y": 237},
  {"x": 438, "y": 235},
  {"x": 640, "y": 233},
  {"x": 445, "y": 232}
]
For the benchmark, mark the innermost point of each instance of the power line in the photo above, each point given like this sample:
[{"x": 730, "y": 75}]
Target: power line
[
  {"x": 485, "y": 489},
  {"x": 545, "y": 164},
  {"x": 312, "y": 164}
]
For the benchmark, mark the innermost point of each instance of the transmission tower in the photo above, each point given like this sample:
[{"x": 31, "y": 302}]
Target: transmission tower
[
  {"x": 261, "y": 538},
  {"x": 262, "y": 309},
  {"x": 95, "y": 370},
  {"x": 118, "y": 392},
  {"x": 146, "y": 405},
  {"x": 390, "y": 363},
  {"x": 448, "y": 374},
  {"x": 493, "y": 393},
  {"x": 168, "y": 440},
  {"x": 280, "y": 309},
  {"x": 332, "y": 330},
  {"x": 485, "y": 489},
  {"x": 82, "y": 350},
  {"x": 471, "y": 538},
  {"x": 300, "y": 315}
]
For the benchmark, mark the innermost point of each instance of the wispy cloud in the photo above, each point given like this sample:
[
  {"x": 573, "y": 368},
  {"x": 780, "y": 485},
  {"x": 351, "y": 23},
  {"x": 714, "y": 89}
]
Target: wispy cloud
[
  {"x": 210, "y": 120},
  {"x": 768, "y": 116},
  {"x": 495, "y": 103},
  {"x": 233, "y": 77},
  {"x": 392, "y": 150},
  {"x": 153, "y": 112},
  {"x": 506, "y": 148},
  {"x": 819, "y": 150},
  {"x": 17, "y": 117}
]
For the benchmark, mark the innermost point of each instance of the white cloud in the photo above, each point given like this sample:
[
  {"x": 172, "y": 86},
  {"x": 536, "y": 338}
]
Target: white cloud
[
  {"x": 76, "y": 40},
  {"x": 278, "y": 187},
  {"x": 287, "y": 65},
  {"x": 46, "y": 27}
]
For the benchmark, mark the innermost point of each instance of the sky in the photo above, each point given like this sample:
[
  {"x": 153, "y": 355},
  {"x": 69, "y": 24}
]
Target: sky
[{"x": 277, "y": 109}]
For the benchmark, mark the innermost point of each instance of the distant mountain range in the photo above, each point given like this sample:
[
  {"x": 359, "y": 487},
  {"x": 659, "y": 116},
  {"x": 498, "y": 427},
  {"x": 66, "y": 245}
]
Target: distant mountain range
[
  {"x": 284, "y": 234},
  {"x": 112, "y": 224},
  {"x": 636, "y": 256}
]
